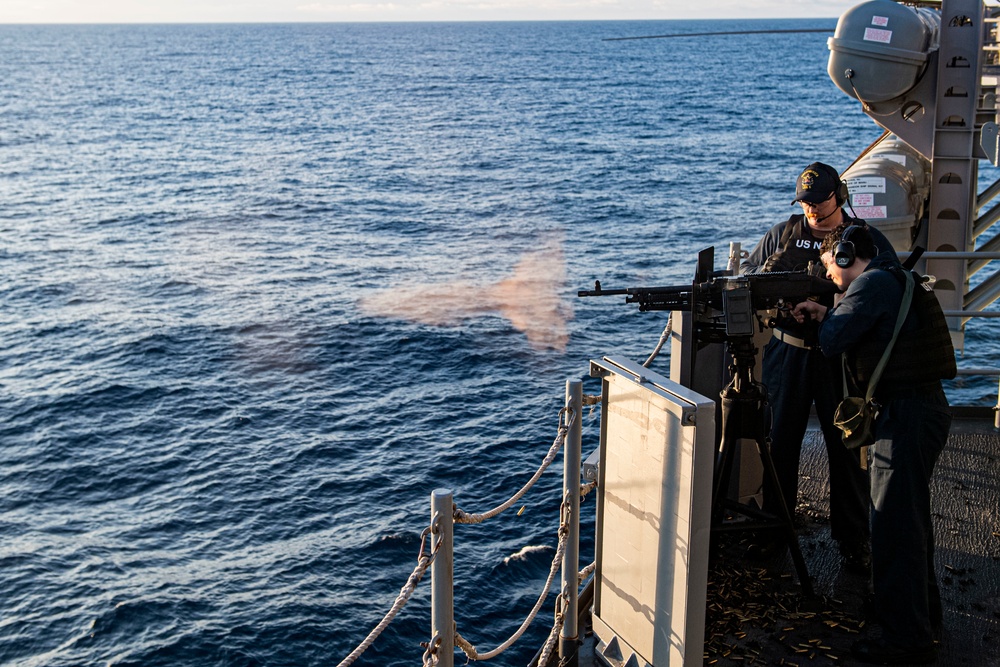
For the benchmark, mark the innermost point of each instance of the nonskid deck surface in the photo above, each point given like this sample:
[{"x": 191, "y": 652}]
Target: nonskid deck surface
[{"x": 756, "y": 614}]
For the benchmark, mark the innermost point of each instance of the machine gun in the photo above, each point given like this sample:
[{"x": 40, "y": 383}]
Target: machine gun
[{"x": 737, "y": 297}]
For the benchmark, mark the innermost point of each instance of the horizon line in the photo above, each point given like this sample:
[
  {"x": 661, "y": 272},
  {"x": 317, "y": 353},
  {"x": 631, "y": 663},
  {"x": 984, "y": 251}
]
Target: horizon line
[{"x": 415, "y": 20}]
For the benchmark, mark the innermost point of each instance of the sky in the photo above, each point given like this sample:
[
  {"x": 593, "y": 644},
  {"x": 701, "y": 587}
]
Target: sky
[{"x": 270, "y": 11}]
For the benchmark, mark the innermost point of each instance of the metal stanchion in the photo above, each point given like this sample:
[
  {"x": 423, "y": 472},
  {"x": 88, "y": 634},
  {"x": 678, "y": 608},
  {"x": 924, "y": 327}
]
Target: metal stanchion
[
  {"x": 442, "y": 576},
  {"x": 568, "y": 636},
  {"x": 996, "y": 410}
]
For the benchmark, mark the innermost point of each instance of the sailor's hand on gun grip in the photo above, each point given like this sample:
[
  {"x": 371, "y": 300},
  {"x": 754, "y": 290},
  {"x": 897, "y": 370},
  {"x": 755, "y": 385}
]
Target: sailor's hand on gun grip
[{"x": 809, "y": 310}]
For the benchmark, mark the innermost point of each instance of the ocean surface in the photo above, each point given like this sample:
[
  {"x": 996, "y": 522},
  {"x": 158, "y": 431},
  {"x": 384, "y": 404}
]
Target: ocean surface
[{"x": 266, "y": 287}]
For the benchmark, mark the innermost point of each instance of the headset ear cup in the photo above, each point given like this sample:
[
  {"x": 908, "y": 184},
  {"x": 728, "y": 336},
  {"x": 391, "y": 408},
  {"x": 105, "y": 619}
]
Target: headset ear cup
[
  {"x": 844, "y": 253},
  {"x": 840, "y": 191}
]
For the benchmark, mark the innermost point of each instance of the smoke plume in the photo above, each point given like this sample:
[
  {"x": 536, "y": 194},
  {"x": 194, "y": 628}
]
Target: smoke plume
[{"x": 530, "y": 298}]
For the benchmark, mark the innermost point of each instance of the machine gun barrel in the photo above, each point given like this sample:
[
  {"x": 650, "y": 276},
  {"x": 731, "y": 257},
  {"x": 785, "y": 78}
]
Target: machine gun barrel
[{"x": 676, "y": 297}]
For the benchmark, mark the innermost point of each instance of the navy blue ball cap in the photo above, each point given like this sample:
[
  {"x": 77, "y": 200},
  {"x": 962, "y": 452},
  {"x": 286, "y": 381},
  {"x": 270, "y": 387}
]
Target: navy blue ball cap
[{"x": 816, "y": 183}]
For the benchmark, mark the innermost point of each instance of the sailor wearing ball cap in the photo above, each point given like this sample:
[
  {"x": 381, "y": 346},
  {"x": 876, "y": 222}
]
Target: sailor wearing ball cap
[{"x": 797, "y": 375}]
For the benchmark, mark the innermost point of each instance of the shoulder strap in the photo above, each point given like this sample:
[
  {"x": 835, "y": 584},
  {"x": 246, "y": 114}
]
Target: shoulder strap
[
  {"x": 904, "y": 308},
  {"x": 786, "y": 233}
]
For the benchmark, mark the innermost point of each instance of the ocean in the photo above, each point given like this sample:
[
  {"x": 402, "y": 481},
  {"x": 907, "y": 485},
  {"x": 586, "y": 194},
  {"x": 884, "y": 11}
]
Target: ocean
[{"x": 266, "y": 287}]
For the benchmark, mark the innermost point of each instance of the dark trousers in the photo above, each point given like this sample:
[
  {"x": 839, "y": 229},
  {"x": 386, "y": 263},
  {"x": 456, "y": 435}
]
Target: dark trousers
[
  {"x": 912, "y": 432},
  {"x": 795, "y": 379}
]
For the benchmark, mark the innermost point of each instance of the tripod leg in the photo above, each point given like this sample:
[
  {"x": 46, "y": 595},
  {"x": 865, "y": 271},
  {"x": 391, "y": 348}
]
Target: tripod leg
[
  {"x": 723, "y": 474},
  {"x": 789, "y": 524}
]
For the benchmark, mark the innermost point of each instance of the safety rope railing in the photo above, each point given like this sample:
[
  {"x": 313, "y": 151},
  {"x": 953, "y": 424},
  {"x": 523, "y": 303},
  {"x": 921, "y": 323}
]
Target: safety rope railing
[
  {"x": 557, "y": 444},
  {"x": 473, "y": 653},
  {"x": 431, "y": 656},
  {"x": 562, "y": 601},
  {"x": 550, "y": 642},
  {"x": 567, "y": 418},
  {"x": 423, "y": 562},
  {"x": 663, "y": 339}
]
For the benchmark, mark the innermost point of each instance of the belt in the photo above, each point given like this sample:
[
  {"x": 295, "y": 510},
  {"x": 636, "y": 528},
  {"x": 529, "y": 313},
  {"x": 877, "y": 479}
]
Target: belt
[{"x": 786, "y": 337}]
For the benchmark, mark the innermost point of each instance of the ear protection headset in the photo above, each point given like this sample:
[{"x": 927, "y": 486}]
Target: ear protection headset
[
  {"x": 844, "y": 253},
  {"x": 840, "y": 189}
]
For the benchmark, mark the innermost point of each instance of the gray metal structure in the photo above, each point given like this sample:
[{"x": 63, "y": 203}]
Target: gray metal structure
[
  {"x": 569, "y": 633},
  {"x": 929, "y": 78},
  {"x": 443, "y": 576}
]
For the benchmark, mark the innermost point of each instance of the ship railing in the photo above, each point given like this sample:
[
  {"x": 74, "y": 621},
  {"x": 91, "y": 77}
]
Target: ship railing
[
  {"x": 439, "y": 557},
  {"x": 424, "y": 560},
  {"x": 978, "y": 298}
]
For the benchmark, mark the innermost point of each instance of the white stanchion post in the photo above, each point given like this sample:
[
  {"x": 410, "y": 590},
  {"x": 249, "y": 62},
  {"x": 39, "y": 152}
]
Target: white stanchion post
[
  {"x": 568, "y": 636},
  {"x": 442, "y": 576},
  {"x": 996, "y": 410}
]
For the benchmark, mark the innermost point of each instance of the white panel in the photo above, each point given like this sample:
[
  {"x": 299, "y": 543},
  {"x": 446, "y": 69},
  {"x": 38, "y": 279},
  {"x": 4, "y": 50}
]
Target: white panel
[{"x": 654, "y": 517}]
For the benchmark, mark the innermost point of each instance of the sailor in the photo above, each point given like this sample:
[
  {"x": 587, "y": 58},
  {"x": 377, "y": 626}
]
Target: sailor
[
  {"x": 797, "y": 374},
  {"x": 911, "y": 430}
]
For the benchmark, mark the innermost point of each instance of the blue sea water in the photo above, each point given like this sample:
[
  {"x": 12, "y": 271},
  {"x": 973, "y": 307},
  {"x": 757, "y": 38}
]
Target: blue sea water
[{"x": 265, "y": 287}]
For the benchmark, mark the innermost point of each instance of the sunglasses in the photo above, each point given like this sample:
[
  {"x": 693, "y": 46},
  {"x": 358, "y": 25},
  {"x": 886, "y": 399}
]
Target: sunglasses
[{"x": 812, "y": 205}]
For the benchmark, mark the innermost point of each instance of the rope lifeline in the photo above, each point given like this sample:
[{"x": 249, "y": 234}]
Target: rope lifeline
[
  {"x": 423, "y": 562},
  {"x": 663, "y": 339},
  {"x": 550, "y": 641},
  {"x": 471, "y": 651},
  {"x": 557, "y": 444},
  {"x": 430, "y": 656}
]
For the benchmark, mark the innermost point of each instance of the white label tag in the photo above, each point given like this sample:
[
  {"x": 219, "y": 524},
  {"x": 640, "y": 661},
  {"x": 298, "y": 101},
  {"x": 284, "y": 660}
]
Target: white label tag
[
  {"x": 881, "y": 21},
  {"x": 870, "y": 212},
  {"x": 878, "y": 35},
  {"x": 863, "y": 199},
  {"x": 866, "y": 184}
]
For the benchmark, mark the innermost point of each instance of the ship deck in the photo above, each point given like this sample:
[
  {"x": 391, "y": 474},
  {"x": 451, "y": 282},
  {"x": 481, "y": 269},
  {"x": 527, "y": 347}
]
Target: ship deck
[{"x": 756, "y": 612}]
